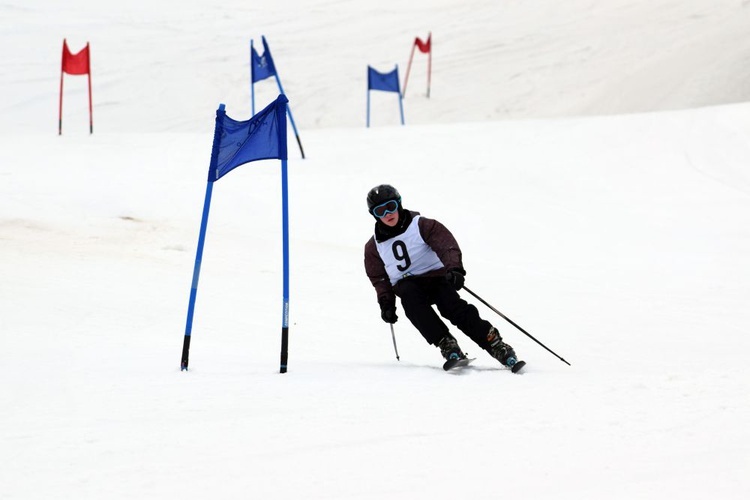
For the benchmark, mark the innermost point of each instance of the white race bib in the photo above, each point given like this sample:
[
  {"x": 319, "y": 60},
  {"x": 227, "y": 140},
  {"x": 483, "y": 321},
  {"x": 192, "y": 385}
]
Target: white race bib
[{"x": 407, "y": 254}]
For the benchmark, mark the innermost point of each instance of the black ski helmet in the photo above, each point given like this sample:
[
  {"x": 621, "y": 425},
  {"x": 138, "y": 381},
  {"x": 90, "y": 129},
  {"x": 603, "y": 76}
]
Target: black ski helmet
[{"x": 381, "y": 194}]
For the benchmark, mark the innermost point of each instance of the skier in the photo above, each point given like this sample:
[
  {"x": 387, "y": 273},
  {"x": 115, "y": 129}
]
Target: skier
[{"x": 418, "y": 260}]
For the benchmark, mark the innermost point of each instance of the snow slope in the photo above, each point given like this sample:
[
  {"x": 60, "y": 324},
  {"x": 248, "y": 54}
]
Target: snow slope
[
  {"x": 158, "y": 65},
  {"x": 620, "y": 241}
]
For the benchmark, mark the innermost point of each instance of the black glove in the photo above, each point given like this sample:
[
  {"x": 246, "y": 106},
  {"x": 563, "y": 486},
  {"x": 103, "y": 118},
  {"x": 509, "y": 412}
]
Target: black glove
[
  {"x": 388, "y": 313},
  {"x": 455, "y": 277}
]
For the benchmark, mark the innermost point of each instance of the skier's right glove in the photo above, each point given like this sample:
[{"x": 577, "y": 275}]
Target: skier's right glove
[{"x": 388, "y": 313}]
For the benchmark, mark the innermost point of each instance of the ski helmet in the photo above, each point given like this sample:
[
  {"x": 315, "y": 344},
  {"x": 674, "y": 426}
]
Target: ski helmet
[{"x": 381, "y": 194}]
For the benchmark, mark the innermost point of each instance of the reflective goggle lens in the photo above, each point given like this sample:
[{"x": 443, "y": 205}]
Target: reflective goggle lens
[{"x": 386, "y": 208}]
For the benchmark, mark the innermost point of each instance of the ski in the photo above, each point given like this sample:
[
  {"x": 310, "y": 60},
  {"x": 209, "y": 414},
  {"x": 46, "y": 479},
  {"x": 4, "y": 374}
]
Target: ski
[
  {"x": 518, "y": 366},
  {"x": 453, "y": 364}
]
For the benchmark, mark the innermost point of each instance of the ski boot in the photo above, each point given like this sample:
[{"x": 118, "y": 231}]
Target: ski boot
[
  {"x": 451, "y": 352},
  {"x": 503, "y": 352}
]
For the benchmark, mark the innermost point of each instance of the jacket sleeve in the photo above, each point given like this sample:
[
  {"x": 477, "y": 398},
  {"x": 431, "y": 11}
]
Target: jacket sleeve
[
  {"x": 442, "y": 242},
  {"x": 375, "y": 269}
]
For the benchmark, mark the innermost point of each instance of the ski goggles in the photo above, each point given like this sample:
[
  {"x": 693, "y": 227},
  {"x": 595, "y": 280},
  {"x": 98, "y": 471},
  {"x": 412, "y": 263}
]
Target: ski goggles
[{"x": 384, "y": 209}]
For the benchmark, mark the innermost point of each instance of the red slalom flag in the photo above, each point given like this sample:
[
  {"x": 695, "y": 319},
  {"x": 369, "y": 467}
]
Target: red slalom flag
[
  {"x": 75, "y": 64},
  {"x": 424, "y": 47}
]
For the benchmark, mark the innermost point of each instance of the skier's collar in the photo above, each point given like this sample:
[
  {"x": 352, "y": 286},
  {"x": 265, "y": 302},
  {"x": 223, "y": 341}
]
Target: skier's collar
[{"x": 383, "y": 232}]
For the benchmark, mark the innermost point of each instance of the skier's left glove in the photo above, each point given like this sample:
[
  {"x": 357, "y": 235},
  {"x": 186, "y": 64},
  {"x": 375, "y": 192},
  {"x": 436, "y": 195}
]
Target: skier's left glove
[
  {"x": 389, "y": 314},
  {"x": 455, "y": 277}
]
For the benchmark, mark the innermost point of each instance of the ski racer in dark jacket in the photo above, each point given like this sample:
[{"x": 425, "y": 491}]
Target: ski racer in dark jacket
[{"x": 419, "y": 260}]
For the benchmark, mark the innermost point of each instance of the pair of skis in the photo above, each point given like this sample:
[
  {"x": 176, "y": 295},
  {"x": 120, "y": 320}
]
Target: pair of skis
[{"x": 460, "y": 363}]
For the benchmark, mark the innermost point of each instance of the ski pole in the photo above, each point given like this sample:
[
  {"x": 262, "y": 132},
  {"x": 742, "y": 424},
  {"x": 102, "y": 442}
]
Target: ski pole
[
  {"x": 393, "y": 335},
  {"x": 512, "y": 323}
]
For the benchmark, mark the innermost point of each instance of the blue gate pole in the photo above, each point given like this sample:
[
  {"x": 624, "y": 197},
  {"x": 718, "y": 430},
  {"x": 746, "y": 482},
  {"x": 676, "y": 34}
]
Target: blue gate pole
[
  {"x": 291, "y": 118},
  {"x": 368, "y": 108},
  {"x": 252, "y": 84},
  {"x": 285, "y": 237},
  {"x": 400, "y": 99},
  {"x": 196, "y": 276},
  {"x": 401, "y": 107}
]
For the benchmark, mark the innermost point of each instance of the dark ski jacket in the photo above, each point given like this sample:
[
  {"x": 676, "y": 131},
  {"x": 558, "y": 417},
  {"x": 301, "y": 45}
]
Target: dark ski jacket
[{"x": 434, "y": 234}]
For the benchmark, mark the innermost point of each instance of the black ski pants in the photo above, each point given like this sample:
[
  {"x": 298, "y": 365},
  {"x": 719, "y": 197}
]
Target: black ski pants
[{"x": 419, "y": 294}]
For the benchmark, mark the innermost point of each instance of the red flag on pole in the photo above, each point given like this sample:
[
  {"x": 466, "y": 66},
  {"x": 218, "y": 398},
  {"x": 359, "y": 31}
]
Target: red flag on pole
[
  {"x": 75, "y": 64},
  {"x": 424, "y": 47}
]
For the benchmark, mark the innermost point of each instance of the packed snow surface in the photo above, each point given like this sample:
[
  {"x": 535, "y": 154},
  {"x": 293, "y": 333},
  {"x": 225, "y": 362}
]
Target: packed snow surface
[{"x": 591, "y": 158}]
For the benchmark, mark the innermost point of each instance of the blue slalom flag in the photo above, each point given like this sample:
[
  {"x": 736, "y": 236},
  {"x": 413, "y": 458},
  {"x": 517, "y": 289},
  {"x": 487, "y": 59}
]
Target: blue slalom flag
[
  {"x": 387, "y": 82},
  {"x": 382, "y": 81},
  {"x": 262, "y": 137},
  {"x": 262, "y": 66},
  {"x": 235, "y": 143}
]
